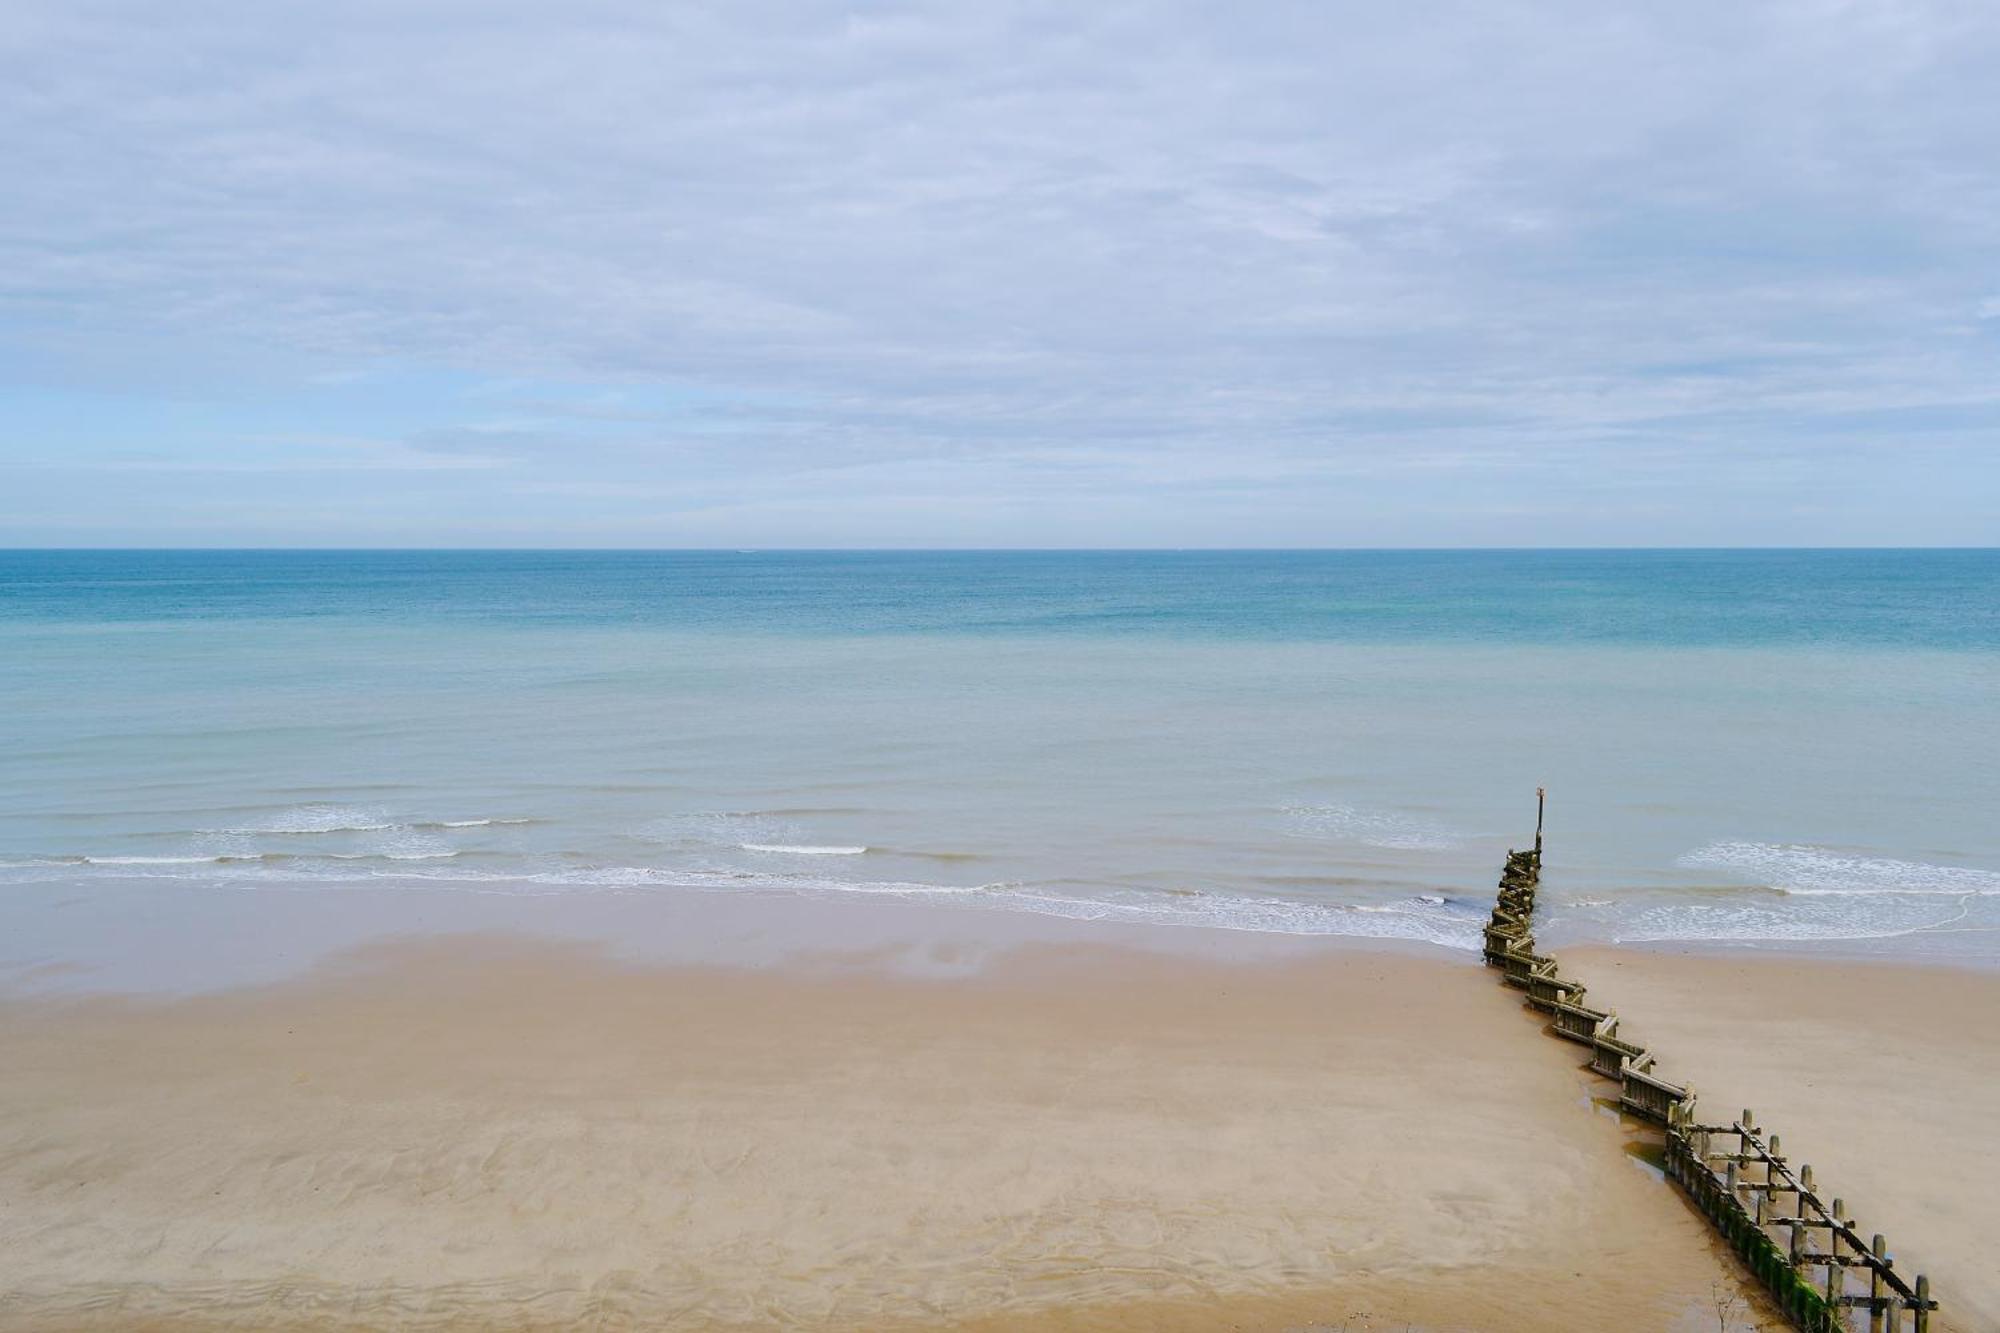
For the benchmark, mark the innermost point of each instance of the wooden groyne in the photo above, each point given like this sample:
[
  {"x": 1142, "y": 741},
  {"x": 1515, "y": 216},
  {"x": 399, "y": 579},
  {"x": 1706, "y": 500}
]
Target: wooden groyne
[{"x": 1804, "y": 1250}]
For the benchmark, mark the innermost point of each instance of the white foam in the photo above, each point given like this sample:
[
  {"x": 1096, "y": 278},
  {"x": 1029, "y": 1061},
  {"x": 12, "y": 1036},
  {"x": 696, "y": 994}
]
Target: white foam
[
  {"x": 1795, "y": 868},
  {"x": 1413, "y": 920},
  {"x": 150, "y": 860},
  {"x": 1814, "y": 893},
  {"x": 1426, "y": 918},
  {"x": 801, "y": 849},
  {"x": 1340, "y": 822},
  {"x": 233, "y": 863},
  {"x": 307, "y": 819},
  {"x": 1882, "y": 918},
  {"x": 717, "y": 829}
]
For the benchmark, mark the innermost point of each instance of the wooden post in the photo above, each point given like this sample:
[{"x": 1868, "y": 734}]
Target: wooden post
[
  {"x": 1836, "y": 1276},
  {"x": 1923, "y": 1304},
  {"x": 1541, "y": 802},
  {"x": 1799, "y": 1211},
  {"x": 1767, "y": 1202},
  {"x": 1875, "y": 1302}
]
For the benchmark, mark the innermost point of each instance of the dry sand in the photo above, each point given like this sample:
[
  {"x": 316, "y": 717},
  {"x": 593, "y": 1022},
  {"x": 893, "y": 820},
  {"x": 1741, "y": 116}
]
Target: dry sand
[{"x": 482, "y": 1133}]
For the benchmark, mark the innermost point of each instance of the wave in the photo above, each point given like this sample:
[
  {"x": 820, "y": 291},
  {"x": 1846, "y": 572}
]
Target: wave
[
  {"x": 717, "y": 828},
  {"x": 1879, "y": 919},
  {"x": 792, "y": 812},
  {"x": 1798, "y": 892},
  {"x": 1428, "y": 918},
  {"x": 1340, "y": 822},
  {"x": 1414, "y": 919},
  {"x": 1803, "y": 870},
  {"x": 232, "y": 859},
  {"x": 315, "y": 820},
  {"x": 144, "y": 860},
  {"x": 801, "y": 849},
  {"x": 311, "y": 819}
]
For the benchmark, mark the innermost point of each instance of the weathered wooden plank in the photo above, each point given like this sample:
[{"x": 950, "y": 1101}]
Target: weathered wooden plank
[
  {"x": 1578, "y": 1023},
  {"x": 1645, "y": 1095}
]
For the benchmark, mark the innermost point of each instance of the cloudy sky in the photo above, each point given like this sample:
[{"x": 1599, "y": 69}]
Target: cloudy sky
[{"x": 741, "y": 273}]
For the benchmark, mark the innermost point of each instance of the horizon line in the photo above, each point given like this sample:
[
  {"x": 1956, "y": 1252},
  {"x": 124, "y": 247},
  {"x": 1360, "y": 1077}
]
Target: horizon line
[{"x": 954, "y": 550}]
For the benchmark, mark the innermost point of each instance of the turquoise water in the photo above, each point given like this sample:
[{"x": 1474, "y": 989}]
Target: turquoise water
[{"x": 1779, "y": 749}]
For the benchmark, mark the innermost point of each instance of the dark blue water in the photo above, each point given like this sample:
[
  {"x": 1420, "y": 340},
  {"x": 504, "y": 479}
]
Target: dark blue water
[{"x": 1932, "y": 599}]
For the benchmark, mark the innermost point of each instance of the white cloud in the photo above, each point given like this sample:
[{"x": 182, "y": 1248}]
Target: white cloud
[{"x": 1290, "y": 240}]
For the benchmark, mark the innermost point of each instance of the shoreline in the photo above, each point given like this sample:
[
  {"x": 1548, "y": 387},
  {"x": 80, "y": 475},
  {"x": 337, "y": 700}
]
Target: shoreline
[{"x": 136, "y": 938}]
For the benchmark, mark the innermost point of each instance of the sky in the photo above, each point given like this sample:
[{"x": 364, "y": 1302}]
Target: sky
[{"x": 750, "y": 274}]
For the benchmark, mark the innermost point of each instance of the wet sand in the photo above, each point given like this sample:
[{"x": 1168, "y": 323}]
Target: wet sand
[
  {"x": 482, "y": 1132},
  {"x": 460, "y": 1133}
]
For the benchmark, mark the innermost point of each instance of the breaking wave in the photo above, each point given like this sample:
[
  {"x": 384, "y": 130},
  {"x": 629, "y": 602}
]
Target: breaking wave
[
  {"x": 312, "y": 820},
  {"x": 1798, "y": 869},
  {"x": 1427, "y": 918},
  {"x": 1798, "y": 892},
  {"x": 801, "y": 849},
  {"x": 308, "y": 819}
]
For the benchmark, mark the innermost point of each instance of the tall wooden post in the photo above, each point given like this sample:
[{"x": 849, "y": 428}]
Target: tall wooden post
[
  {"x": 1876, "y": 1288},
  {"x": 1799, "y": 1236},
  {"x": 1541, "y": 803}
]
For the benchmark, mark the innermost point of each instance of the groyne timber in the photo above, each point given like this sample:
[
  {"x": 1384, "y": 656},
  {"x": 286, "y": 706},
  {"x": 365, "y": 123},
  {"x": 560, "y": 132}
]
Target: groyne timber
[{"x": 1803, "y": 1249}]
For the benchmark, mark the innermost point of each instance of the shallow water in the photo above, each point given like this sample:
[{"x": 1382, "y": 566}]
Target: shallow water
[{"x": 1779, "y": 749}]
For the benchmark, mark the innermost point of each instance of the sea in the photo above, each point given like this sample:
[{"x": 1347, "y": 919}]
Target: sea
[{"x": 1769, "y": 749}]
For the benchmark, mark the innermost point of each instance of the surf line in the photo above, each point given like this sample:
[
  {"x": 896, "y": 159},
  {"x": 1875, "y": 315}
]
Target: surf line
[{"x": 1801, "y": 1249}]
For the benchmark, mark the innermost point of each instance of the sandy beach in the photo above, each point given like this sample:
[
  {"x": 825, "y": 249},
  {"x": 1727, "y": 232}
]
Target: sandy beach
[
  {"x": 887, "y": 668},
  {"x": 473, "y": 1132},
  {"x": 465, "y": 1133}
]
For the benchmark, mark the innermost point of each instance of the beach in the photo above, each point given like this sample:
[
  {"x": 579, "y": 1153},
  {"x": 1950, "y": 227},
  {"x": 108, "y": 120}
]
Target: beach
[
  {"x": 910, "y": 941},
  {"x": 1082, "y": 1132},
  {"x": 999, "y": 668}
]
